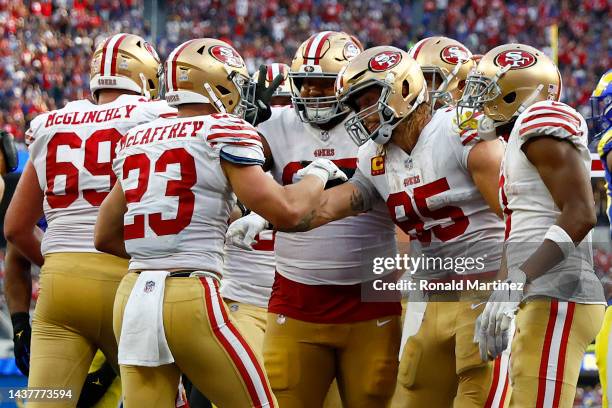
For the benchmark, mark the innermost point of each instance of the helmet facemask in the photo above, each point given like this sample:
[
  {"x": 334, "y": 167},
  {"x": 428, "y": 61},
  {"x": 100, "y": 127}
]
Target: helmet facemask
[
  {"x": 387, "y": 120},
  {"x": 317, "y": 110},
  {"x": 479, "y": 89},
  {"x": 440, "y": 93}
]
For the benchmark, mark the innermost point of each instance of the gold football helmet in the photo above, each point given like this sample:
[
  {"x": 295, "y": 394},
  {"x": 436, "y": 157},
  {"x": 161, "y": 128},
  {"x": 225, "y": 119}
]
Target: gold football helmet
[
  {"x": 125, "y": 61},
  {"x": 322, "y": 56},
  {"x": 207, "y": 70},
  {"x": 446, "y": 64},
  {"x": 282, "y": 94},
  {"x": 402, "y": 84},
  {"x": 508, "y": 79}
]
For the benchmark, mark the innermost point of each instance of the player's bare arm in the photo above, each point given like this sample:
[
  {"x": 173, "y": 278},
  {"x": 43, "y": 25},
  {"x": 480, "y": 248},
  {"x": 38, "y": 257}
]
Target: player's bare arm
[
  {"x": 336, "y": 203},
  {"x": 22, "y": 215},
  {"x": 283, "y": 206},
  {"x": 484, "y": 162},
  {"x": 109, "y": 225},
  {"x": 563, "y": 172}
]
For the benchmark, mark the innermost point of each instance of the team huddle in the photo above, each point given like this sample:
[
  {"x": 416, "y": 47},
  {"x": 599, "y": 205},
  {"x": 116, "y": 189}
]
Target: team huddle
[{"x": 212, "y": 228}]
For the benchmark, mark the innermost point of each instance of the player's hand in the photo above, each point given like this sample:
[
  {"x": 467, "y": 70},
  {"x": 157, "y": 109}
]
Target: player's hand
[
  {"x": 10, "y": 159},
  {"x": 96, "y": 385},
  {"x": 263, "y": 96},
  {"x": 22, "y": 335},
  {"x": 324, "y": 169},
  {"x": 493, "y": 326},
  {"x": 243, "y": 231}
]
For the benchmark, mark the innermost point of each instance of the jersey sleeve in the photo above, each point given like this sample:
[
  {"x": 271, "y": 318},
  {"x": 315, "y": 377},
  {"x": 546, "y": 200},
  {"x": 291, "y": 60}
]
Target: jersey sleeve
[
  {"x": 34, "y": 130},
  {"x": 605, "y": 144},
  {"x": 239, "y": 141},
  {"x": 554, "y": 119},
  {"x": 464, "y": 137},
  {"x": 152, "y": 110}
]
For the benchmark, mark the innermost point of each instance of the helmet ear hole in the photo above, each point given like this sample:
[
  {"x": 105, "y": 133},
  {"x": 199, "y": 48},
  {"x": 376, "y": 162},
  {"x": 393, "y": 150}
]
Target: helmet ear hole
[
  {"x": 151, "y": 84},
  {"x": 511, "y": 97},
  {"x": 405, "y": 89},
  {"x": 224, "y": 91}
]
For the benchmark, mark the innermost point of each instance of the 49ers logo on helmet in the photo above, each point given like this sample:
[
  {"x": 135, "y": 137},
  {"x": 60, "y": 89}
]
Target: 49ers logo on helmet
[
  {"x": 384, "y": 61},
  {"x": 452, "y": 54},
  {"x": 350, "y": 50},
  {"x": 226, "y": 55},
  {"x": 517, "y": 59}
]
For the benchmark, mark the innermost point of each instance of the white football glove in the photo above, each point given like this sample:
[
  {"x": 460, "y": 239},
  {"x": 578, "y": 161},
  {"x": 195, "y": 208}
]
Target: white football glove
[
  {"x": 493, "y": 327},
  {"x": 323, "y": 169},
  {"x": 243, "y": 231}
]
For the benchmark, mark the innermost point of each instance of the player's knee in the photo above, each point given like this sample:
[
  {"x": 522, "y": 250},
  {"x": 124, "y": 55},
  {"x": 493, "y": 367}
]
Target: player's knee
[
  {"x": 282, "y": 372},
  {"x": 409, "y": 364},
  {"x": 380, "y": 377}
]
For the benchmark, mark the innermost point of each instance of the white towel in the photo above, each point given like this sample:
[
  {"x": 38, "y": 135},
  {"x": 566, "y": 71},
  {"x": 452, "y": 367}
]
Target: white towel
[{"x": 143, "y": 340}]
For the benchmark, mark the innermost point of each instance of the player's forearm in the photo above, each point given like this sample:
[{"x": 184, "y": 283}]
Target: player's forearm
[
  {"x": 297, "y": 204},
  {"x": 17, "y": 281},
  {"x": 577, "y": 218},
  {"x": 27, "y": 241}
]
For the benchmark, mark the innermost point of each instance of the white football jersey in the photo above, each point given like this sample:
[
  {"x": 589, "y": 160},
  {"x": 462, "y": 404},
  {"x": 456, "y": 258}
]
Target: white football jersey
[
  {"x": 530, "y": 210},
  {"x": 340, "y": 252},
  {"x": 72, "y": 150},
  {"x": 430, "y": 195},
  {"x": 178, "y": 198},
  {"x": 248, "y": 275}
]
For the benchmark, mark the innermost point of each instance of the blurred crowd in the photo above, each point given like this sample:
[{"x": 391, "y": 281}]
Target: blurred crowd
[{"x": 45, "y": 45}]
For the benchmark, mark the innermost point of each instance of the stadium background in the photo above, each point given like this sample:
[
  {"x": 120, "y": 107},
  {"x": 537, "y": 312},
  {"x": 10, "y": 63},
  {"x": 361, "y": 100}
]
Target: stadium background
[{"x": 45, "y": 48}]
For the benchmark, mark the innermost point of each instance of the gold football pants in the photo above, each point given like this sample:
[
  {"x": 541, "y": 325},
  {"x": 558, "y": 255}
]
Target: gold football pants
[
  {"x": 73, "y": 318},
  {"x": 549, "y": 343},
  {"x": 303, "y": 358},
  {"x": 206, "y": 345},
  {"x": 441, "y": 366}
]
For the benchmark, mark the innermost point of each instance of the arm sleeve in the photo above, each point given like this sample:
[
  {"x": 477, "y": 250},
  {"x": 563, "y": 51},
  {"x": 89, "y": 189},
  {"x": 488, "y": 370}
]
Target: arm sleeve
[{"x": 366, "y": 188}]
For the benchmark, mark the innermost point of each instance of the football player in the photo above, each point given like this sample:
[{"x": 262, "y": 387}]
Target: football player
[
  {"x": 418, "y": 162},
  {"x": 601, "y": 104},
  {"x": 248, "y": 271},
  {"x": 67, "y": 177},
  {"x": 168, "y": 214},
  {"x": 547, "y": 200},
  {"x": 446, "y": 64},
  {"x": 319, "y": 329}
]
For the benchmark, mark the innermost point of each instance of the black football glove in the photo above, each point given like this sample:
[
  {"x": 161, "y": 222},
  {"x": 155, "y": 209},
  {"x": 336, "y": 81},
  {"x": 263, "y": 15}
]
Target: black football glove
[
  {"x": 22, "y": 335},
  {"x": 262, "y": 98},
  {"x": 96, "y": 385},
  {"x": 9, "y": 151}
]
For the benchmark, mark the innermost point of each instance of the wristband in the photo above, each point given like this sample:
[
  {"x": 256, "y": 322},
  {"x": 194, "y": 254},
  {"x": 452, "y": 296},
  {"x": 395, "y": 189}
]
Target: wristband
[{"x": 558, "y": 235}]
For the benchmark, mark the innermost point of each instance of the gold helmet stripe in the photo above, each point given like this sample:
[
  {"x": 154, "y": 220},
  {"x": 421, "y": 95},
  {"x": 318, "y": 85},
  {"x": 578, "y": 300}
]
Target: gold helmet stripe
[
  {"x": 314, "y": 46},
  {"x": 109, "y": 58},
  {"x": 172, "y": 58}
]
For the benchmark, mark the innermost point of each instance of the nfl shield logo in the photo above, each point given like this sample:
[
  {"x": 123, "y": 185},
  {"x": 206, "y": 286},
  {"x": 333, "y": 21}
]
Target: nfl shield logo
[{"x": 149, "y": 286}]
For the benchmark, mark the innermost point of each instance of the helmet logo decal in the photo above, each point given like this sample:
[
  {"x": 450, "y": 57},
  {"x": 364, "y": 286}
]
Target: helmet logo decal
[
  {"x": 517, "y": 59},
  {"x": 350, "y": 50},
  {"x": 309, "y": 68},
  {"x": 384, "y": 61},
  {"x": 452, "y": 54},
  {"x": 226, "y": 55}
]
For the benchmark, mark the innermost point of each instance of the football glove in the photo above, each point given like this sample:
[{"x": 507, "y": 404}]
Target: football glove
[
  {"x": 9, "y": 152},
  {"x": 243, "y": 231},
  {"x": 96, "y": 385},
  {"x": 263, "y": 96},
  {"x": 493, "y": 327},
  {"x": 322, "y": 168},
  {"x": 22, "y": 335}
]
